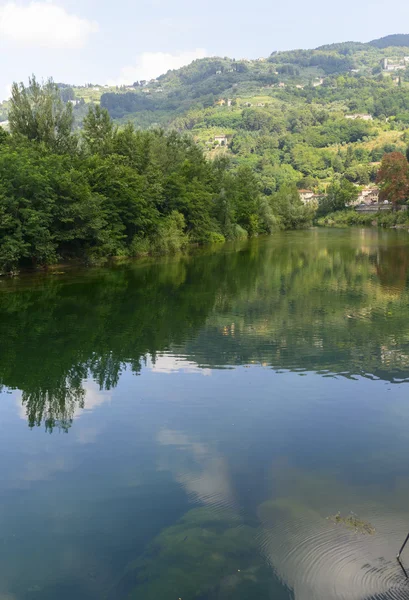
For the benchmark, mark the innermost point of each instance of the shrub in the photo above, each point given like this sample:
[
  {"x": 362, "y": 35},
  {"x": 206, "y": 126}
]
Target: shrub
[{"x": 170, "y": 236}]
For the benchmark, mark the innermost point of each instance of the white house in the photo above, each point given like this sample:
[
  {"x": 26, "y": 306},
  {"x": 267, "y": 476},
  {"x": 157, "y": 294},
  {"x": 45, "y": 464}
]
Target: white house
[
  {"x": 306, "y": 195},
  {"x": 368, "y": 196},
  {"x": 221, "y": 140},
  {"x": 364, "y": 117}
]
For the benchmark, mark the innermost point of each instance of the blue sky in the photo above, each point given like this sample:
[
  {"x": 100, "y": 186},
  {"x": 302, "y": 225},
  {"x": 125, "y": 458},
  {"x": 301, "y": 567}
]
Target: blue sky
[{"x": 80, "y": 41}]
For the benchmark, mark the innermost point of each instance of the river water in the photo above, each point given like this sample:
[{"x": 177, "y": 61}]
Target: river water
[{"x": 189, "y": 428}]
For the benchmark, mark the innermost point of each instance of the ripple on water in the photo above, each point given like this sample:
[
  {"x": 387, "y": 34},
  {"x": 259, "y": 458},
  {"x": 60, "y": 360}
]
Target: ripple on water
[{"x": 320, "y": 560}]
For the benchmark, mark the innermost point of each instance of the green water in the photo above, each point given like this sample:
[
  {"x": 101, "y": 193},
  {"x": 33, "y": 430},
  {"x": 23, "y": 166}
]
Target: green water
[{"x": 184, "y": 428}]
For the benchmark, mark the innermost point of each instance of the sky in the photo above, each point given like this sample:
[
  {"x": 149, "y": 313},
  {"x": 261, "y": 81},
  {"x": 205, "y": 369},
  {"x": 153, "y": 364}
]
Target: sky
[{"x": 94, "y": 41}]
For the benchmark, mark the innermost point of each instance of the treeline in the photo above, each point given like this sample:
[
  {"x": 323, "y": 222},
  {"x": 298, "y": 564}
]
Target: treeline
[{"x": 110, "y": 192}]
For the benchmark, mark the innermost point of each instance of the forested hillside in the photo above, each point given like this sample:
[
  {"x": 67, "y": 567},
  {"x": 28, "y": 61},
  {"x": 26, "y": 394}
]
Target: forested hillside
[
  {"x": 226, "y": 145},
  {"x": 292, "y": 117}
]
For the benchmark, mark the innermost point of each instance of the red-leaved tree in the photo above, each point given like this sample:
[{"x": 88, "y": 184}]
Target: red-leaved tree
[{"x": 393, "y": 178}]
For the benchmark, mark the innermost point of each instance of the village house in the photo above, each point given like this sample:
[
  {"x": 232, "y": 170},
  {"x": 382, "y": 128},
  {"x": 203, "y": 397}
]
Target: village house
[
  {"x": 306, "y": 195},
  {"x": 368, "y": 196},
  {"x": 393, "y": 65},
  {"x": 221, "y": 102},
  {"x": 364, "y": 117},
  {"x": 221, "y": 140},
  {"x": 261, "y": 104},
  {"x": 281, "y": 84},
  {"x": 319, "y": 82},
  {"x": 229, "y": 101},
  {"x": 309, "y": 197}
]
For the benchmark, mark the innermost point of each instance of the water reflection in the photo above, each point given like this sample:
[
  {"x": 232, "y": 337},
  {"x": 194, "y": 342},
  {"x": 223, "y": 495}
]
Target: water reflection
[
  {"x": 332, "y": 302},
  {"x": 220, "y": 407}
]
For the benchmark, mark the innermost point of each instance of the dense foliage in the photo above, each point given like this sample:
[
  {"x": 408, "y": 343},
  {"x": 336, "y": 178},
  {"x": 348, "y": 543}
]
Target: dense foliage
[{"x": 115, "y": 192}]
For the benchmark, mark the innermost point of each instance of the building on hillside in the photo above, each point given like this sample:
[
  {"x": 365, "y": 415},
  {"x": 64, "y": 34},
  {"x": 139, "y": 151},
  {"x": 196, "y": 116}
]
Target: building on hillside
[
  {"x": 229, "y": 101},
  {"x": 319, "y": 82},
  {"x": 261, "y": 104},
  {"x": 362, "y": 116},
  {"x": 221, "y": 102},
  {"x": 368, "y": 196},
  {"x": 306, "y": 195},
  {"x": 299, "y": 87},
  {"x": 221, "y": 140},
  {"x": 393, "y": 65},
  {"x": 281, "y": 84}
]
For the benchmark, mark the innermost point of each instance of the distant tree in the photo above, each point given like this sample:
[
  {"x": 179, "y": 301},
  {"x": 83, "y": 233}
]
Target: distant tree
[
  {"x": 287, "y": 205},
  {"x": 339, "y": 195},
  {"x": 67, "y": 93},
  {"x": 393, "y": 178},
  {"x": 98, "y": 130},
  {"x": 38, "y": 113}
]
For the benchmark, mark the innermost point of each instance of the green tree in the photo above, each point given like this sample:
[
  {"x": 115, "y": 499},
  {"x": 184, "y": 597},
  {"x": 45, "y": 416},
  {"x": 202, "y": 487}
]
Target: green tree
[
  {"x": 287, "y": 205},
  {"x": 98, "y": 131},
  {"x": 340, "y": 194},
  {"x": 38, "y": 113}
]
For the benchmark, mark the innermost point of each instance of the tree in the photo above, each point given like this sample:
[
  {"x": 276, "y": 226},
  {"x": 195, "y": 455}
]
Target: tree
[
  {"x": 339, "y": 195},
  {"x": 293, "y": 214},
  {"x": 38, "y": 113},
  {"x": 393, "y": 178},
  {"x": 98, "y": 131}
]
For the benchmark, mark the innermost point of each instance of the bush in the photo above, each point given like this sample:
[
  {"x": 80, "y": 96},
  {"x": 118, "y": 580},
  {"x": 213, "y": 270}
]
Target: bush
[
  {"x": 238, "y": 233},
  {"x": 170, "y": 236},
  {"x": 215, "y": 238},
  {"x": 140, "y": 246},
  {"x": 351, "y": 217}
]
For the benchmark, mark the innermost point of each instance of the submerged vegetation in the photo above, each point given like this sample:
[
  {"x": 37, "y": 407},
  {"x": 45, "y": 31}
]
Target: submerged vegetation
[
  {"x": 353, "y": 522},
  {"x": 205, "y": 553}
]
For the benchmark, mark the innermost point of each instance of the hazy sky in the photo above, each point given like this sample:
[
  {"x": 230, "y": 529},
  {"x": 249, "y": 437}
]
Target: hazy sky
[{"x": 78, "y": 41}]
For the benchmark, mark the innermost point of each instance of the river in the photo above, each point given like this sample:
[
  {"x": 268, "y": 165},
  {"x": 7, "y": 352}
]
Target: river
[{"x": 189, "y": 427}]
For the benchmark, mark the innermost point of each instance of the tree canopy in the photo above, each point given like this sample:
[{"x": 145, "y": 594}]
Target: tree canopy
[{"x": 109, "y": 191}]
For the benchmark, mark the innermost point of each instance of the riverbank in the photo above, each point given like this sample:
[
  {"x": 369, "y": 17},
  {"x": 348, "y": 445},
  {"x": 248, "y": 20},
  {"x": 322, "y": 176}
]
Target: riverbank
[{"x": 346, "y": 218}]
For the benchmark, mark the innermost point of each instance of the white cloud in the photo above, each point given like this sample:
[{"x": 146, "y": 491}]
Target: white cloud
[
  {"x": 150, "y": 65},
  {"x": 43, "y": 24}
]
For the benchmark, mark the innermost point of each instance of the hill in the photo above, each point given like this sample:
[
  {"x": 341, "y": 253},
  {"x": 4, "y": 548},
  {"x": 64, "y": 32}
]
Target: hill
[
  {"x": 397, "y": 39},
  {"x": 300, "y": 116}
]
